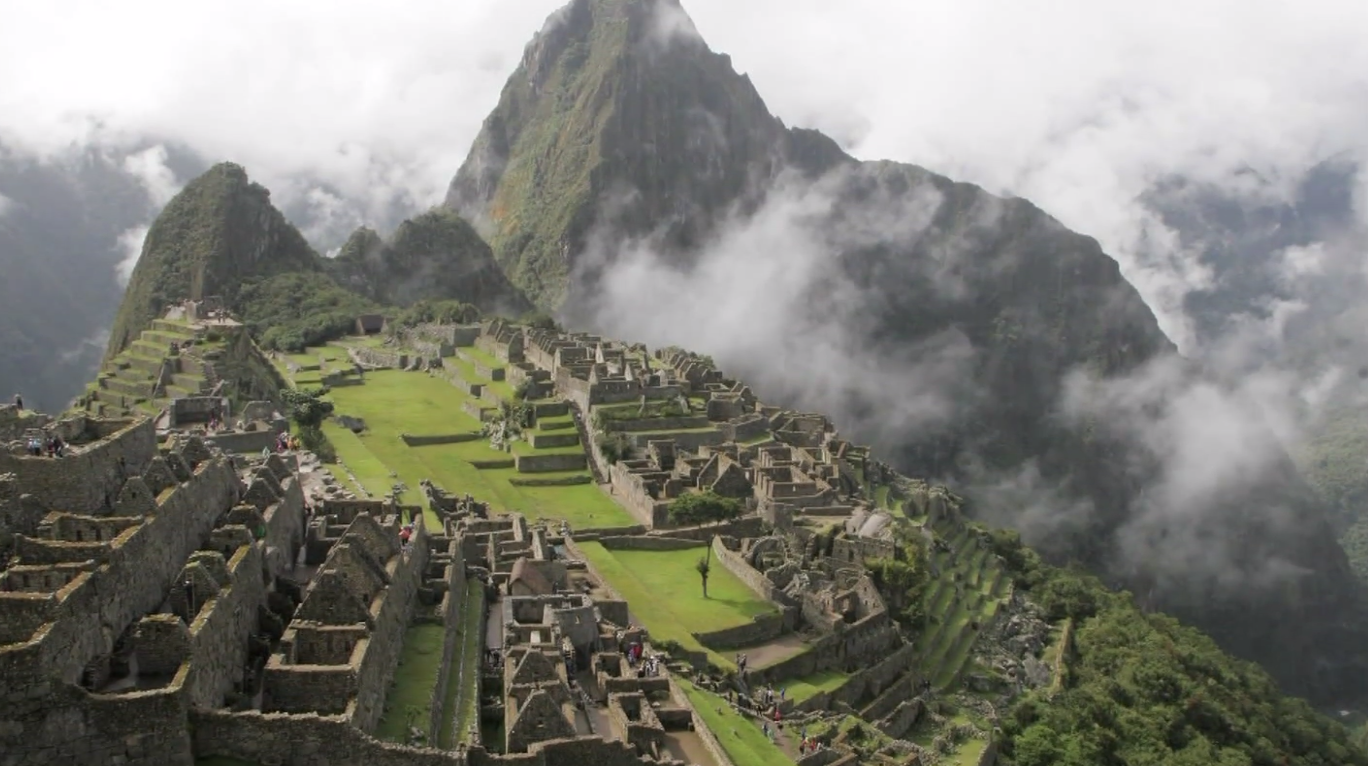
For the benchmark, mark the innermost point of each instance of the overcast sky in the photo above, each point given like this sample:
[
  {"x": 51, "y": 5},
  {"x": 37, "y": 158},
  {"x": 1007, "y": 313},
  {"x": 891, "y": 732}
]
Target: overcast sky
[{"x": 1075, "y": 104}]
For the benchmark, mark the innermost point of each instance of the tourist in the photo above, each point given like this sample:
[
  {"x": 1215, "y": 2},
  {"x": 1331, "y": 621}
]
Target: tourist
[{"x": 19, "y": 402}]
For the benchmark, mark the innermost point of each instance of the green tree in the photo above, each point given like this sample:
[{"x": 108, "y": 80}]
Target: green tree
[
  {"x": 704, "y": 568},
  {"x": 704, "y": 508},
  {"x": 306, "y": 408}
]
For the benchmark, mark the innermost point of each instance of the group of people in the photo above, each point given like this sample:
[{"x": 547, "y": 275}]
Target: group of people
[
  {"x": 52, "y": 446},
  {"x": 286, "y": 442}
]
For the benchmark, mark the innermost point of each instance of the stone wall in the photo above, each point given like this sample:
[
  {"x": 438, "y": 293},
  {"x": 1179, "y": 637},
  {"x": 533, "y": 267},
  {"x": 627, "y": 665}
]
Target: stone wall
[
  {"x": 49, "y": 480},
  {"x": 550, "y": 463},
  {"x": 631, "y": 493},
  {"x": 379, "y": 357},
  {"x": 687, "y": 441},
  {"x": 714, "y": 748},
  {"x": 302, "y": 740},
  {"x": 761, "y": 629},
  {"x": 195, "y": 409},
  {"x": 649, "y": 543},
  {"x": 218, "y": 636},
  {"x": 429, "y": 440},
  {"x": 656, "y": 425},
  {"x": 749, "y": 575},
  {"x": 60, "y": 723},
  {"x": 453, "y": 606},
  {"x": 568, "y": 438},
  {"x": 748, "y": 429},
  {"x": 14, "y": 423},
  {"x": 245, "y": 442},
  {"x": 387, "y": 638}
]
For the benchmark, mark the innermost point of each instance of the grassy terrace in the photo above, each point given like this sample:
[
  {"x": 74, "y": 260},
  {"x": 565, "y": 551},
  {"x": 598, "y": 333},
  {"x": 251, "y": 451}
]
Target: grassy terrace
[
  {"x": 665, "y": 594},
  {"x": 740, "y": 737},
  {"x": 410, "y": 697},
  {"x": 392, "y": 402},
  {"x": 803, "y": 689}
]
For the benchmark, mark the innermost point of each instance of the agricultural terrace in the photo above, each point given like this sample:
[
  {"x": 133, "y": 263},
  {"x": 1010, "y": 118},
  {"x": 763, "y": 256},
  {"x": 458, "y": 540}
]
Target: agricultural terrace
[
  {"x": 393, "y": 402},
  {"x": 666, "y": 594}
]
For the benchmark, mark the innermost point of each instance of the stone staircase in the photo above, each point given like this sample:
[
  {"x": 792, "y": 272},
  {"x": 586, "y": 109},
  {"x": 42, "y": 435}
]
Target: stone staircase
[{"x": 146, "y": 376}]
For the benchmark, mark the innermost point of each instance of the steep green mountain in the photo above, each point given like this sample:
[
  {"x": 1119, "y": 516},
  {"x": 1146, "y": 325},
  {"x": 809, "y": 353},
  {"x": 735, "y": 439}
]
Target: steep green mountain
[
  {"x": 219, "y": 233},
  {"x": 967, "y": 336},
  {"x": 436, "y": 255},
  {"x": 221, "y": 236},
  {"x": 618, "y": 112}
]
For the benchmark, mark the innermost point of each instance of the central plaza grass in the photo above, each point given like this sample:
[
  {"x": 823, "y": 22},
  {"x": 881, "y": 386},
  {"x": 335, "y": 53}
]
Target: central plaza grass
[
  {"x": 740, "y": 737},
  {"x": 664, "y": 592},
  {"x": 392, "y": 402}
]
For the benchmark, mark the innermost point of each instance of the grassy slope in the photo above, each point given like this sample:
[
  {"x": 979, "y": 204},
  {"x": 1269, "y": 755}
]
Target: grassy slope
[
  {"x": 740, "y": 737},
  {"x": 663, "y": 591}
]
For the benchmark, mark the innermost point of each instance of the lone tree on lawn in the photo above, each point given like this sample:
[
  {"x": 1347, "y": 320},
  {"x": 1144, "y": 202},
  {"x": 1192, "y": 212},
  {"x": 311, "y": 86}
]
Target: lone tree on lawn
[
  {"x": 704, "y": 567},
  {"x": 704, "y": 508}
]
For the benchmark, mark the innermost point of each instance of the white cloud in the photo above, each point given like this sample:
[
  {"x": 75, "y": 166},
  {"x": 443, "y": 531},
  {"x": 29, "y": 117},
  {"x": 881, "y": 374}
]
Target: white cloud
[
  {"x": 1075, "y": 104},
  {"x": 130, "y": 245},
  {"x": 149, "y": 167}
]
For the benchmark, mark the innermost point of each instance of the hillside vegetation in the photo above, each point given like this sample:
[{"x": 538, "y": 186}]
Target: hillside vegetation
[
  {"x": 1141, "y": 689},
  {"x": 217, "y": 233}
]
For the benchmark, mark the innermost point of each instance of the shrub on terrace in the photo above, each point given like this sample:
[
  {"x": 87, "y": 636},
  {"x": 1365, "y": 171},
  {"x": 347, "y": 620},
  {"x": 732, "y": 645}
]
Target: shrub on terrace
[{"x": 704, "y": 508}]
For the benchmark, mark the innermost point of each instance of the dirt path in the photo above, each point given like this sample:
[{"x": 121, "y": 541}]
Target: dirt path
[{"x": 772, "y": 653}]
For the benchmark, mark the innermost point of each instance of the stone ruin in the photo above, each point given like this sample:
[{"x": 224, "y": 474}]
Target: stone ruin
[{"x": 177, "y": 602}]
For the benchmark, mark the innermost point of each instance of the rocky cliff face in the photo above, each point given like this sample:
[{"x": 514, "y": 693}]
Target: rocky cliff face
[
  {"x": 972, "y": 337},
  {"x": 620, "y": 115},
  {"x": 219, "y": 232},
  {"x": 437, "y": 255}
]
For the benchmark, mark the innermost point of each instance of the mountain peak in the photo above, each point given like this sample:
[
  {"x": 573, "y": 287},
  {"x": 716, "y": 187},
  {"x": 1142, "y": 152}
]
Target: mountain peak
[
  {"x": 218, "y": 232},
  {"x": 437, "y": 255},
  {"x": 615, "y": 95}
]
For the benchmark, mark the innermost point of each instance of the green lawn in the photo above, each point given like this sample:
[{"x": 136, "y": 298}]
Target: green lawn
[
  {"x": 740, "y": 737},
  {"x": 410, "y": 696},
  {"x": 394, "y": 402},
  {"x": 663, "y": 590}
]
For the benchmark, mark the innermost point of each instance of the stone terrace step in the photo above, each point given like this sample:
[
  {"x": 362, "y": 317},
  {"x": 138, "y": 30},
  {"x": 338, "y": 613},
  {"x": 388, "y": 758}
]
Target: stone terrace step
[
  {"x": 172, "y": 328},
  {"x": 143, "y": 365},
  {"x": 149, "y": 349},
  {"x": 126, "y": 387},
  {"x": 189, "y": 382}
]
